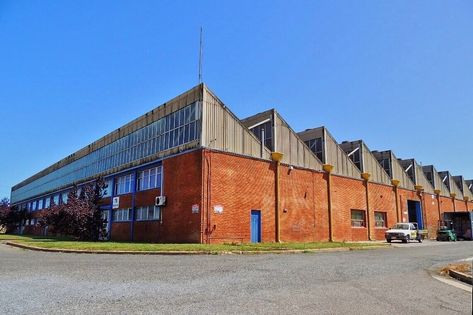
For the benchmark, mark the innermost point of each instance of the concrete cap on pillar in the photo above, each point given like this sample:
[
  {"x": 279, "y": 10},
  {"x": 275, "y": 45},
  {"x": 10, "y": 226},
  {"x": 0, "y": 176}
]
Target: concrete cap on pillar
[
  {"x": 419, "y": 188},
  {"x": 277, "y": 156},
  {"x": 437, "y": 191},
  {"x": 366, "y": 176},
  {"x": 328, "y": 168},
  {"x": 453, "y": 195},
  {"x": 395, "y": 182}
]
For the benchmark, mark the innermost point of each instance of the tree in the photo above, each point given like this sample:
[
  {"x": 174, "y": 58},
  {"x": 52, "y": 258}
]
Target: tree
[
  {"x": 80, "y": 217},
  {"x": 11, "y": 217}
]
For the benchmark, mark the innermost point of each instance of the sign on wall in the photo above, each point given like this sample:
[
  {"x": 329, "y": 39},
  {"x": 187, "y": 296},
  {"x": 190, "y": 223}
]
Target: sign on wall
[
  {"x": 116, "y": 202},
  {"x": 195, "y": 208}
]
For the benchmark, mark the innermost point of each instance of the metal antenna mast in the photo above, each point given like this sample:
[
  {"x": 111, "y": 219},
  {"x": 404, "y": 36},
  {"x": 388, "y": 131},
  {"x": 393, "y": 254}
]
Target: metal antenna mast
[{"x": 200, "y": 56}]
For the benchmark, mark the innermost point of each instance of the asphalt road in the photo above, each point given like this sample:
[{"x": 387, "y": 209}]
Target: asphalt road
[{"x": 382, "y": 281}]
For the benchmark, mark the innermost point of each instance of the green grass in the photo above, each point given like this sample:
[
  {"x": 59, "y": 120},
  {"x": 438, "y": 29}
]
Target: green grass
[{"x": 51, "y": 242}]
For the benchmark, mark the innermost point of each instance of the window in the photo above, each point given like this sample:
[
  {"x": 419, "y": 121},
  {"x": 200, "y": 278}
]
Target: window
[
  {"x": 386, "y": 164},
  {"x": 123, "y": 184},
  {"x": 356, "y": 158},
  {"x": 264, "y": 130},
  {"x": 47, "y": 202},
  {"x": 380, "y": 219},
  {"x": 147, "y": 213},
  {"x": 56, "y": 199},
  {"x": 150, "y": 178},
  {"x": 65, "y": 197},
  {"x": 358, "y": 218},
  {"x": 176, "y": 129},
  {"x": 40, "y": 204},
  {"x": 121, "y": 215},
  {"x": 35, "y": 205},
  {"x": 107, "y": 191},
  {"x": 316, "y": 146}
]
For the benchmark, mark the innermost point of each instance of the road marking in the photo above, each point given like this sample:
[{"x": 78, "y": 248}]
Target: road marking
[{"x": 453, "y": 283}]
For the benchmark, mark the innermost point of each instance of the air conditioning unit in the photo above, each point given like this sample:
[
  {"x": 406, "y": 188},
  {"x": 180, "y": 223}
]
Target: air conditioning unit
[{"x": 160, "y": 201}]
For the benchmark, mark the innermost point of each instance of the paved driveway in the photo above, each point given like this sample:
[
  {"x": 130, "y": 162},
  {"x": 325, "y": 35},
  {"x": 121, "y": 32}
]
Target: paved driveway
[{"x": 383, "y": 281}]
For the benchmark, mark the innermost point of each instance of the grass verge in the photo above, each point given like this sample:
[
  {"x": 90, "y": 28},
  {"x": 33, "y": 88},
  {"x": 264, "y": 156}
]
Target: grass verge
[{"x": 56, "y": 243}]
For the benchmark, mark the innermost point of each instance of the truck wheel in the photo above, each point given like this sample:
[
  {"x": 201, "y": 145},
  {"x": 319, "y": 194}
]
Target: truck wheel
[
  {"x": 406, "y": 240},
  {"x": 438, "y": 239},
  {"x": 388, "y": 240}
]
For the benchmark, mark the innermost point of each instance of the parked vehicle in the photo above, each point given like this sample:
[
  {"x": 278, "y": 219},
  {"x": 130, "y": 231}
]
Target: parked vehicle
[
  {"x": 446, "y": 232},
  {"x": 404, "y": 232}
]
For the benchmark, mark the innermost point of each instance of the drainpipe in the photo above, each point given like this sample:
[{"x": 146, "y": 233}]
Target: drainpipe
[
  {"x": 277, "y": 157},
  {"x": 395, "y": 183},
  {"x": 437, "y": 194},
  {"x": 453, "y": 195},
  {"x": 366, "y": 179},
  {"x": 328, "y": 169}
]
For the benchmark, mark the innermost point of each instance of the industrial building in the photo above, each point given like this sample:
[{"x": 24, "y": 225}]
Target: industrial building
[{"x": 191, "y": 171}]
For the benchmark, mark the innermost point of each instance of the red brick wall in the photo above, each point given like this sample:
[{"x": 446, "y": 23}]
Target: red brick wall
[
  {"x": 347, "y": 194},
  {"x": 147, "y": 231},
  {"x": 182, "y": 185},
  {"x": 304, "y": 209},
  {"x": 147, "y": 197},
  {"x": 239, "y": 185},
  {"x": 404, "y": 196},
  {"x": 460, "y": 205},
  {"x": 382, "y": 198},
  {"x": 121, "y": 231},
  {"x": 432, "y": 214}
]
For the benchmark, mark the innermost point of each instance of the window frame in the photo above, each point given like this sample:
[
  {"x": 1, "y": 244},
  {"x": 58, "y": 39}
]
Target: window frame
[
  {"x": 149, "y": 178},
  {"x": 120, "y": 217},
  {"x": 353, "y": 220},
  {"x": 385, "y": 220},
  {"x": 139, "y": 211}
]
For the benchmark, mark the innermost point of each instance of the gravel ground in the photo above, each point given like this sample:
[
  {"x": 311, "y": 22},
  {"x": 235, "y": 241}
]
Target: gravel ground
[{"x": 382, "y": 281}]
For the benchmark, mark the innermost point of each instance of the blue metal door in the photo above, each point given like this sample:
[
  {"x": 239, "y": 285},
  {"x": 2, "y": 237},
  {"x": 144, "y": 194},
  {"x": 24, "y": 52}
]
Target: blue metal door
[
  {"x": 255, "y": 226},
  {"x": 420, "y": 221}
]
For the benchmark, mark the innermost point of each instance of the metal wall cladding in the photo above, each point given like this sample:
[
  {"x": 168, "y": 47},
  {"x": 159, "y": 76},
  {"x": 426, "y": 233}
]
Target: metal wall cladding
[
  {"x": 396, "y": 169},
  {"x": 460, "y": 181},
  {"x": 294, "y": 149},
  {"x": 466, "y": 191},
  {"x": 87, "y": 163},
  {"x": 438, "y": 184},
  {"x": 372, "y": 166},
  {"x": 400, "y": 174},
  {"x": 332, "y": 152},
  {"x": 453, "y": 186},
  {"x": 222, "y": 130},
  {"x": 422, "y": 179}
]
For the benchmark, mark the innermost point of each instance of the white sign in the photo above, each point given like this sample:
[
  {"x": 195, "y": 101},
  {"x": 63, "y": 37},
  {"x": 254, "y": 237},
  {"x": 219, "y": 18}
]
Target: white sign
[
  {"x": 195, "y": 208},
  {"x": 115, "y": 202},
  {"x": 218, "y": 209}
]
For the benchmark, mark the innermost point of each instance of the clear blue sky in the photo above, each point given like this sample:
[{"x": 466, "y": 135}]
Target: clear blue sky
[{"x": 398, "y": 74}]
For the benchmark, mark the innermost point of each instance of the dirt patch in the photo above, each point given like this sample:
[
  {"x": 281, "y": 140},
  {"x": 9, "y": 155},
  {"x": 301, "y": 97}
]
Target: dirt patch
[{"x": 460, "y": 267}]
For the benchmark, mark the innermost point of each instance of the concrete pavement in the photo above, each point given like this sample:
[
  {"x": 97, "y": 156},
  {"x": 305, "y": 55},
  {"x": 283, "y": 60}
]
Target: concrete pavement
[{"x": 389, "y": 281}]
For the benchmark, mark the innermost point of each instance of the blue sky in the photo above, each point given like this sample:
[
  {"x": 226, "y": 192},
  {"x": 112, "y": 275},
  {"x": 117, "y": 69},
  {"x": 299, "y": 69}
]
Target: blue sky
[{"x": 398, "y": 74}]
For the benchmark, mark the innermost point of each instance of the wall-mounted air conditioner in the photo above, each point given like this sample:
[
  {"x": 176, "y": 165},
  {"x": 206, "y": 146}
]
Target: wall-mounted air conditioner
[{"x": 160, "y": 201}]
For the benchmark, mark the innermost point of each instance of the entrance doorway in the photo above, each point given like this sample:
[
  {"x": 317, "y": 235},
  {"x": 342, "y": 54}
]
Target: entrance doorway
[
  {"x": 414, "y": 213},
  {"x": 255, "y": 227},
  {"x": 106, "y": 218}
]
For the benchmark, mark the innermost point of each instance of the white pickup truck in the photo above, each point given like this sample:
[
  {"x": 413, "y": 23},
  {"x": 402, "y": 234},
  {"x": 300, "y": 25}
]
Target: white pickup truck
[{"x": 404, "y": 232}]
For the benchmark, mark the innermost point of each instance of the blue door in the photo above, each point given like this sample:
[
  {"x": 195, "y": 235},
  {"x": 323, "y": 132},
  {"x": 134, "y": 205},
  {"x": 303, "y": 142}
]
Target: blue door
[
  {"x": 414, "y": 212},
  {"x": 255, "y": 226},
  {"x": 420, "y": 221}
]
